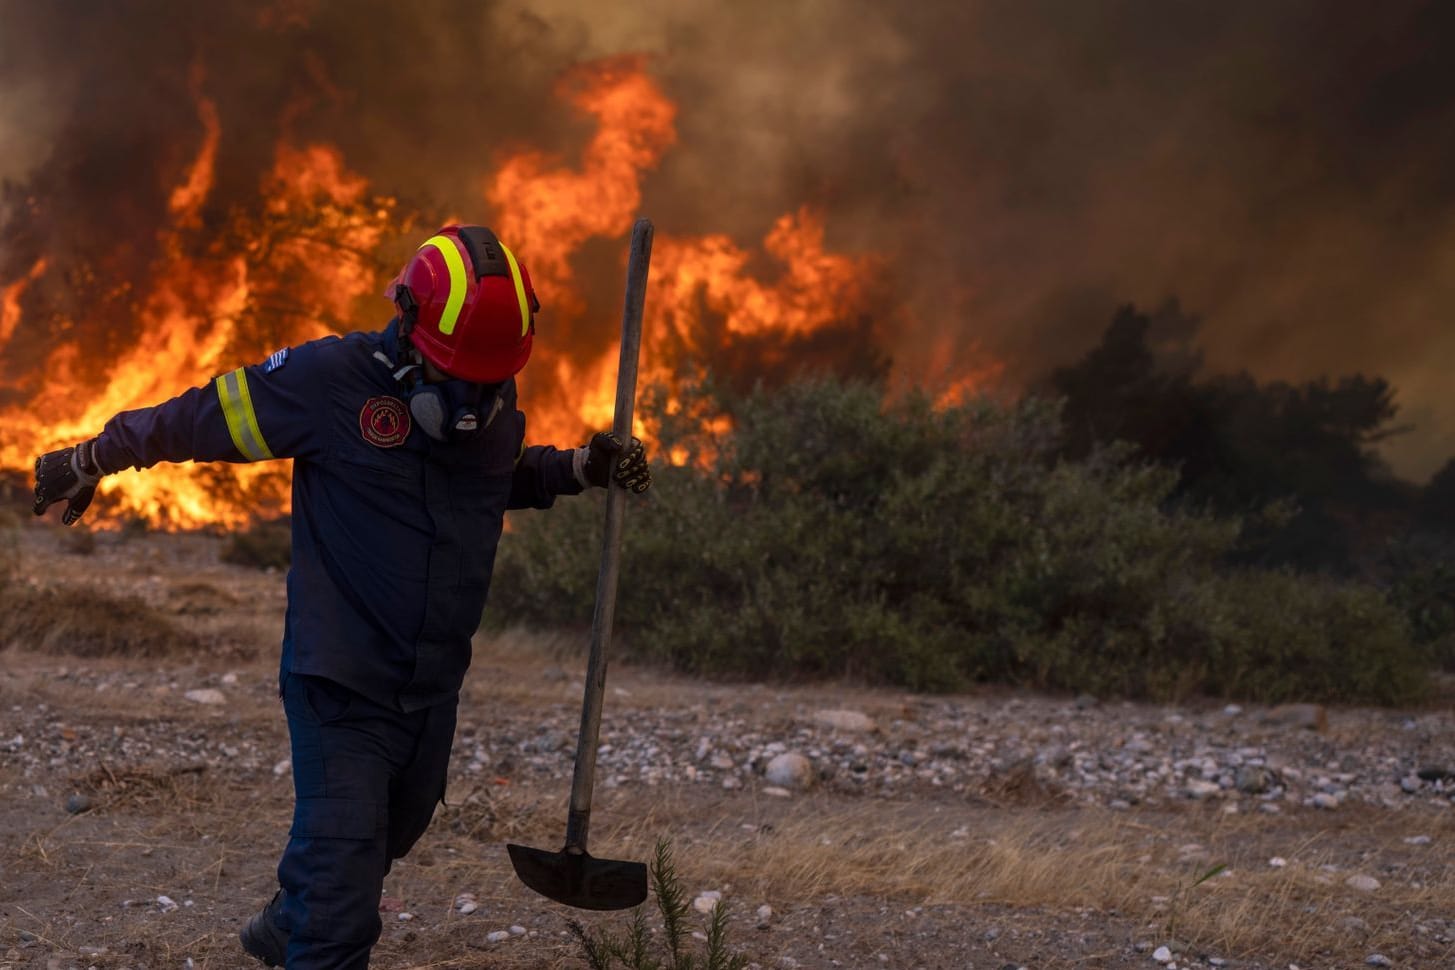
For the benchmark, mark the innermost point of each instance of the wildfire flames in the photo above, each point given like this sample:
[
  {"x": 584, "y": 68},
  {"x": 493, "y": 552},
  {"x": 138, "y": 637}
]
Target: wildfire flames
[{"x": 304, "y": 263}]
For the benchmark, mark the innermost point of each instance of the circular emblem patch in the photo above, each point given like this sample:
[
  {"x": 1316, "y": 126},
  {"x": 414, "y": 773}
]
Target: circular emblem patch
[{"x": 384, "y": 421}]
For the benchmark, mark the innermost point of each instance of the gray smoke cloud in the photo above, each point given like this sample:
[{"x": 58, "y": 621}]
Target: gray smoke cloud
[{"x": 1286, "y": 170}]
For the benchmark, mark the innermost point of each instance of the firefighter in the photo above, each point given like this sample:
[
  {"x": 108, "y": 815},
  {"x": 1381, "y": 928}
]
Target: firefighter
[{"x": 408, "y": 448}]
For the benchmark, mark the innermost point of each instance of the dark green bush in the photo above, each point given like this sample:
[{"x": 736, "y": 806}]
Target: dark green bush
[
  {"x": 832, "y": 535},
  {"x": 1422, "y": 585}
]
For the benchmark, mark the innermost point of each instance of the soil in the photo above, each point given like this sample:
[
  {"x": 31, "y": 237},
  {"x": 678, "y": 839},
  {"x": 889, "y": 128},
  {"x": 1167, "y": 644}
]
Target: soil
[{"x": 140, "y": 828}]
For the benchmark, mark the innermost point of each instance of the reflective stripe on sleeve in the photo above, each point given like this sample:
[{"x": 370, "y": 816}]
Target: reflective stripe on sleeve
[{"x": 242, "y": 421}]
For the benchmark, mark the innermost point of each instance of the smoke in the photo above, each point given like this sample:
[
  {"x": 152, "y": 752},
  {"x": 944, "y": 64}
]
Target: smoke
[{"x": 1287, "y": 171}]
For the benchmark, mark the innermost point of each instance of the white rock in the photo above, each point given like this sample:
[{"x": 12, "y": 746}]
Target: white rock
[
  {"x": 206, "y": 695},
  {"x": 706, "y": 902},
  {"x": 283, "y": 767},
  {"x": 1378, "y": 960},
  {"x": 1325, "y": 800},
  {"x": 777, "y": 792},
  {"x": 499, "y": 936},
  {"x": 765, "y": 914},
  {"x": 1417, "y": 840},
  {"x": 517, "y": 930},
  {"x": 1199, "y": 789},
  {"x": 229, "y": 678},
  {"x": 789, "y": 770},
  {"x": 1365, "y": 884},
  {"x": 843, "y": 720},
  {"x": 1162, "y": 955},
  {"x": 467, "y": 907},
  {"x": 405, "y": 917},
  {"x": 1278, "y": 862},
  {"x": 166, "y": 903}
]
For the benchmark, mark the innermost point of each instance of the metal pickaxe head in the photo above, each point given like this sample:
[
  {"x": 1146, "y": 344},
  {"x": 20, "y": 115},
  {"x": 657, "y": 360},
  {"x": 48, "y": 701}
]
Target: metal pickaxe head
[{"x": 575, "y": 878}]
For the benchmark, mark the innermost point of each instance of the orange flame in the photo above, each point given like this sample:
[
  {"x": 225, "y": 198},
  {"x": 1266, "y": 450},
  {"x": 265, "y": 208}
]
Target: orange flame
[
  {"x": 187, "y": 198},
  {"x": 306, "y": 257},
  {"x": 191, "y": 326},
  {"x": 548, "y": 211},
  {"x": 10, "y": 300}
]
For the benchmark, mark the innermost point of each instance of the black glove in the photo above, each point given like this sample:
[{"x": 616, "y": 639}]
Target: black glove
[
  {"x": 605, "y": 457},
  {"x": 71, "y": 473}
]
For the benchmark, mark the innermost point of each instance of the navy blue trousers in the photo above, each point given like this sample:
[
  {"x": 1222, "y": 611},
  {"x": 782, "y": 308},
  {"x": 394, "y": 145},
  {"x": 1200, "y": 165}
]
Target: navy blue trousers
[{"x": 366, "y": 780}]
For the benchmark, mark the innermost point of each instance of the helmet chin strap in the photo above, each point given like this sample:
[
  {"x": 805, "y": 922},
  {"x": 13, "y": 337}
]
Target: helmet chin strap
[
  {"x": 412, "y": 371},
  {"x": 410, "y": 363}
]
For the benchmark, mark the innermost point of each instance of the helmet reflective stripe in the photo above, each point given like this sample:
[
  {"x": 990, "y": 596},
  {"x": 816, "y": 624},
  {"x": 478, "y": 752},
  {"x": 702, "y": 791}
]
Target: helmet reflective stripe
[
  {"x": 242, "y": 421},
  {"x": 519, "y": 290},
  {"x": 455, "y": 263}
]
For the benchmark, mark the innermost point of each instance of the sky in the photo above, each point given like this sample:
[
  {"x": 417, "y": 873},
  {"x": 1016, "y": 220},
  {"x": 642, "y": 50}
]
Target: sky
[{"x": 1285, "y": 170}]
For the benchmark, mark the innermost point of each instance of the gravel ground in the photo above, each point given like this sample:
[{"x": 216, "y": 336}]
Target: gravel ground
[{"x": 144, "y": 803}]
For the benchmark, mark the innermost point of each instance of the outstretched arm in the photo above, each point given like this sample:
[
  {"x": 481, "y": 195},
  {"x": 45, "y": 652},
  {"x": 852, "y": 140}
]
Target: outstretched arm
[{"x": 268, "y": 410}]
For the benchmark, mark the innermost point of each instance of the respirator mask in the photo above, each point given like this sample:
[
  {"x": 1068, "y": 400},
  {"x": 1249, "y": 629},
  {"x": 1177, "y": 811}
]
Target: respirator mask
[
  {"x": 449, "y": 410},
  {"x": 453, "y": 410}
]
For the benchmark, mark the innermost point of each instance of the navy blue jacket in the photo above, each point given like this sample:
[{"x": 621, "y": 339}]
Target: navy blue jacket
[{"x": 394, "y": 533}]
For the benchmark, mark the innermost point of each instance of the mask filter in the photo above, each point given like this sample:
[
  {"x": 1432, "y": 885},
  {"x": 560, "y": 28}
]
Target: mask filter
[{"x": 452, "y": 410}]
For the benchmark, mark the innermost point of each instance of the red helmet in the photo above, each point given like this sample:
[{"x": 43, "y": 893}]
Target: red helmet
[{"x": 466, "y": 304}]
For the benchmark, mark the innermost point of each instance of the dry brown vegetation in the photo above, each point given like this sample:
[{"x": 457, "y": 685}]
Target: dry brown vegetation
[
  {"x": 84, "y": 622},
  {"x": 1063, "y": 884},
  {"x": 202, "y": 834}
]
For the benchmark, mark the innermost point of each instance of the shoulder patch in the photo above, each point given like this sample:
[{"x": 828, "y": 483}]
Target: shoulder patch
[{"x": 277, "y": 360}]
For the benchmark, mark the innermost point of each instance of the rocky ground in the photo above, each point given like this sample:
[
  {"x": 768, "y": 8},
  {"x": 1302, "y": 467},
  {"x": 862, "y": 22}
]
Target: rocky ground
[{"x": 145, "y": 800}]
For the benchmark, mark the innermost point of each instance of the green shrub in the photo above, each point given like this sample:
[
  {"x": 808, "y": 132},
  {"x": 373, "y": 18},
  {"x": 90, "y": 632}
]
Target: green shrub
[
  {"x": 834, "y": 535},
  {"x": 1422, "y": 586}
]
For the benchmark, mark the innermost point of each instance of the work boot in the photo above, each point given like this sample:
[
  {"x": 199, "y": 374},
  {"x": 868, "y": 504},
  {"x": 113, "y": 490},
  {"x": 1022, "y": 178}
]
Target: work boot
[{"x": 263, "y": 937}]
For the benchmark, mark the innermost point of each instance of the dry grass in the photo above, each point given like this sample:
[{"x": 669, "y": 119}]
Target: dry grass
[
  {"x": 150, "y": 789},
  {"x": 1075, "y": 859},
  {"x": 87, "y": 622},
  {"x": 200, "y": 599}
]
